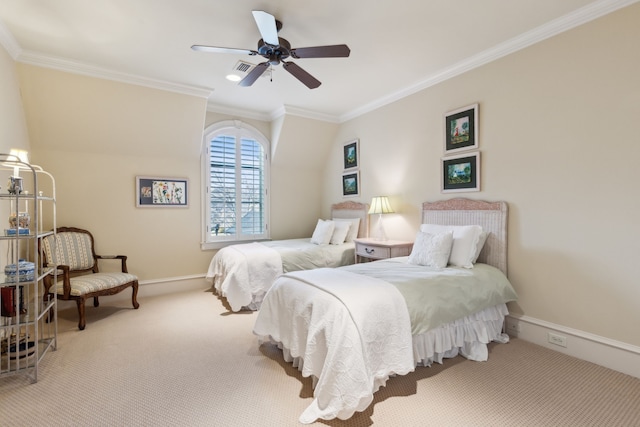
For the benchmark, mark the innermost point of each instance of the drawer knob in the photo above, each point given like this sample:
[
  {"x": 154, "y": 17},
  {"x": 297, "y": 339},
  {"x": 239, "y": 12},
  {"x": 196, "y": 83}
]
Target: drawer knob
[{"x": 369, "y": 251}]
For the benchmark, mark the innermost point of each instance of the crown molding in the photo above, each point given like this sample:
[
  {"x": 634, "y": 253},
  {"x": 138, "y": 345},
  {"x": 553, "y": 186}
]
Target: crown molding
[
  {"x": 238, "y": 112},
  {"x": 9, "y": 42},
  {"x": 581, "y": 16},
  {"x": 307, "y": 114},
  {"x": 74, "y": 67},
  {"x": 273, "y": 115},
  {"x": 552, "y": 28}
]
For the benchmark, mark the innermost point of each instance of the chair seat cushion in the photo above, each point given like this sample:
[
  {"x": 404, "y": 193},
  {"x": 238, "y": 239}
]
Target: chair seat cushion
[{"x": 90, "y": 283}]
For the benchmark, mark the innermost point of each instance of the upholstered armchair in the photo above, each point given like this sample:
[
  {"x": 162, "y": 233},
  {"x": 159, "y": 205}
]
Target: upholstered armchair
[{"x": 72, "y": 251}]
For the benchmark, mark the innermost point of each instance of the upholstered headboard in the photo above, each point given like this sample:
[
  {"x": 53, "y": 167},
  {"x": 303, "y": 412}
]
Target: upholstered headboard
[
  {"x": 348, "y": 210},
  {"x": 491, "y": 216}
]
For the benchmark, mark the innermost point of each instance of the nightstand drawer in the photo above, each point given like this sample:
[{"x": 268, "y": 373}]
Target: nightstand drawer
[{"x": 371, "y": 251}]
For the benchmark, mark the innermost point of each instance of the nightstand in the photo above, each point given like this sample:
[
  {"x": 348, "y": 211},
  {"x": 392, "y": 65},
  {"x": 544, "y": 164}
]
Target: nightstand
[{"x": 372, "y": 249}]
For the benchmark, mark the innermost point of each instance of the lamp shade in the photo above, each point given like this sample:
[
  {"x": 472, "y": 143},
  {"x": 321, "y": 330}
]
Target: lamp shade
[
  {"x": 18, "y": 155},
  {"x": 380, "y": 205}
]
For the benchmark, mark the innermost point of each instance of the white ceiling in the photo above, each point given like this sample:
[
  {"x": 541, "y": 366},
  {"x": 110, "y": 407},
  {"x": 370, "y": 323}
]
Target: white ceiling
[{"x": 395, "y": 49}]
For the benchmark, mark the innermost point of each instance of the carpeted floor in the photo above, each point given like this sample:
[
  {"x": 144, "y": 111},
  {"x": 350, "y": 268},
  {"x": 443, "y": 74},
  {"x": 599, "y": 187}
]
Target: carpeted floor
[{"x": 184, "y": 360}]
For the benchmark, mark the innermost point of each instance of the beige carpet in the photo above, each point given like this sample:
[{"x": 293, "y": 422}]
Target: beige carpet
[{"x": 183, "y": 360}]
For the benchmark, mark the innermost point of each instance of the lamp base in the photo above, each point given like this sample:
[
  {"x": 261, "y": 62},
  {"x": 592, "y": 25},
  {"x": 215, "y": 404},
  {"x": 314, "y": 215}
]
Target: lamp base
[{"x": 379, "y": 233}]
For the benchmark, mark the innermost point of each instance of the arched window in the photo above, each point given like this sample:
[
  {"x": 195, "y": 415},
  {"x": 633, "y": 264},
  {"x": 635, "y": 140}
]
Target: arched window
[{"x": 236, "y": 177}]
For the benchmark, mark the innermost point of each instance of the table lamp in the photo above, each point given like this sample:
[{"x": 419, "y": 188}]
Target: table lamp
[{"x": 380, "y": 205}]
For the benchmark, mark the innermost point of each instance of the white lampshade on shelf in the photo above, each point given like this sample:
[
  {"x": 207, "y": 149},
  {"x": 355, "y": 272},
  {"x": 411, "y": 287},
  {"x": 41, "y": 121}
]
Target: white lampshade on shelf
[
  {"x": 19, "y": 156},
  {"x": 17, "y": 159},
  {"x": 380, "y": 205}
]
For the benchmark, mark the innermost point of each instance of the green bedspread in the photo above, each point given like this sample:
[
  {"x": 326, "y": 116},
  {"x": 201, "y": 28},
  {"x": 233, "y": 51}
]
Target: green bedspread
[{"x": 438, "y": 296}]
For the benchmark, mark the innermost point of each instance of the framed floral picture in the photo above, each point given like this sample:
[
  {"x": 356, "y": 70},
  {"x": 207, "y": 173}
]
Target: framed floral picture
[
  {"x": 461, "y": 129},
  {"x": 350, "y": 154},
  {"x": 461, "y": 173},
  {"x": 161, "y": 192}
]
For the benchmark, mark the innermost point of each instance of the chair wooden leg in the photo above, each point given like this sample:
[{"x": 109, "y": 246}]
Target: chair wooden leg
[
  {"x": 51, "y": 314},
  {"x": 81, "y": 322},
  {"x": 96, "y": 303},
  {"x": 134, "y": 295}
]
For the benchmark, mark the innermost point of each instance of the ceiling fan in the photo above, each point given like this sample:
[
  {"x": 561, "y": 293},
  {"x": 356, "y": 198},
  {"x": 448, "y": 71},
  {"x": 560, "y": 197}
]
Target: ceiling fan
[{"x": 276, "y": 49}]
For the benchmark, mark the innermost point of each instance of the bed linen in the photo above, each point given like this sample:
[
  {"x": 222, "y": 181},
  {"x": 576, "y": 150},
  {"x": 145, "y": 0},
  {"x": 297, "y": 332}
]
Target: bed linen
[
  {"x": 437, "y": 296},
  {"x": 243, "y": 273},
  {"x": 449, "y": 311},
  {"x": 349, "y": 331}
]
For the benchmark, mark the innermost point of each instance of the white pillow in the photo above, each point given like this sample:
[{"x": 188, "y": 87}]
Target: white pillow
[
  {"x": 481, "y": 241},
  {"x": 353, "y": 230},
  {"x": 431, "y": 250},
  {"x": 340, "y": 232},
  {"x": 465, "y": 242},
  {"x": 322, "y": 233}
]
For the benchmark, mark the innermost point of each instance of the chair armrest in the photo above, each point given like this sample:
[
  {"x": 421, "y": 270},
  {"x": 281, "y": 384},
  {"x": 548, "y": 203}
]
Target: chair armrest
[
  {"x": 122, "y": 258},
  {"x": 66, "y": 284}
]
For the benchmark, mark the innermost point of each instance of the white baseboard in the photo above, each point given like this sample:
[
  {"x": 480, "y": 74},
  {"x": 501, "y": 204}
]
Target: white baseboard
[{"x": 616, "y": 355}]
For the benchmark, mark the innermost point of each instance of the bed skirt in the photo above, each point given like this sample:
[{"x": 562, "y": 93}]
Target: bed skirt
[{"x": 468, "y": 337}]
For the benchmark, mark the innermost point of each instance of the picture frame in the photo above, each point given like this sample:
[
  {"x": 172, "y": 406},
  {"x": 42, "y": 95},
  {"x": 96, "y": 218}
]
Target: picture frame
[
  {"x": 351, "y": 154},
  {"x": 161, "y": 192},
  {"x": 461, "y": 173},
  {"x": 351, "y": 184},
  {"x": 461, "y": 129}
]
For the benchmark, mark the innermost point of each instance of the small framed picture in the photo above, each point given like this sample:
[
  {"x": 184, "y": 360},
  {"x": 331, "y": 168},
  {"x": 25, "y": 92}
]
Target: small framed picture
[
  {"x": 350, "y": 154},
  {"x": 350, "y": 184},
  {"x": 461, "y": 173},
  {"x": 162, "y": 192},
  {"x": 461, "y": 129}
]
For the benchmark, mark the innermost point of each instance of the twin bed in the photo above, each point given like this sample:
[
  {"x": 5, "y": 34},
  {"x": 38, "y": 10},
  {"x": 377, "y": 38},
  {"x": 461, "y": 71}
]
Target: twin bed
[
  {"x": 353, "y": 327},
  {"x": 243, "y": 273}
]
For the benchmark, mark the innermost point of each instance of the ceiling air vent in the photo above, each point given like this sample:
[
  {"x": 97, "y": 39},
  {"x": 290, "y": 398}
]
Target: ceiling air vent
[{"x": 244, "y": 67}]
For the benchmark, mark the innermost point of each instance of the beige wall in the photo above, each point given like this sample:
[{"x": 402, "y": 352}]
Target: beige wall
[
  {"x": 95, "y": 136},
  {"x": 558, "y": 143},
  {"x": 13, "y": 125}
]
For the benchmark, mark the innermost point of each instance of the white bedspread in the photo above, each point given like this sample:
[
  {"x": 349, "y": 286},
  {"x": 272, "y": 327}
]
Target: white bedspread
[
  {"x": 242, "y": 272},
  {"x": 351, "y": 348}
]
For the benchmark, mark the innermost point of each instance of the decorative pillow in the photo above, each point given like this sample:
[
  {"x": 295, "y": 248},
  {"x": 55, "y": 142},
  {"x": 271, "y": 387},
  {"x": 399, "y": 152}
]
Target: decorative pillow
[
  {"x": 465, "y": 242},
  {"x": 431, "y": 250},
  {"x": 322, "y": 233},
  {"x": 481, "y": 241},
  {"x": 353, "y": 230},
  {"x": 340, "y": 232}
]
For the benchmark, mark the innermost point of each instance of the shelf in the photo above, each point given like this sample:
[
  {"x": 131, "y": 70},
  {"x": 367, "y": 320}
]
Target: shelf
[{"x": 31, "y": 325}]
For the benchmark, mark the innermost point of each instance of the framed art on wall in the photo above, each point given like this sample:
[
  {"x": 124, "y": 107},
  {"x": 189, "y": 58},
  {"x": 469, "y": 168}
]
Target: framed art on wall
[
  {"x": 350, "y": 154},
  {"x": 461, "y": 129},
  {"x": 350, "y": 184},
  {"x": 161, "y": 192},
  {"x": 461, "y": 173}
]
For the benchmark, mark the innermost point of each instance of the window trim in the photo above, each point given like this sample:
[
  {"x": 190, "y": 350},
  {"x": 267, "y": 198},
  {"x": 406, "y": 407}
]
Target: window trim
[{"x": 245, "y": 130}]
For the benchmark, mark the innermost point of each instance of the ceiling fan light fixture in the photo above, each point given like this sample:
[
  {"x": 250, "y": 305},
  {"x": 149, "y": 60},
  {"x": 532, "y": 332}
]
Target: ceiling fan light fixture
[
  {"x": 275, "y": 50},
  {"x": 233, "y": 77}
]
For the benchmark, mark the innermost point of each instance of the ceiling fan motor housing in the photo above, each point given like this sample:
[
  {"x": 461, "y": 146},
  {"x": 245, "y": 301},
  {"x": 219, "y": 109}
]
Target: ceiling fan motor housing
[{"x": 274, "y": 53}]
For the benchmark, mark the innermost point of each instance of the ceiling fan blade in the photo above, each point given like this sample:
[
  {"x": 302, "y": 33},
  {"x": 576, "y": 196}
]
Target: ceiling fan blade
[
  {"x": 254, "y": 74},
  {"x": 215, "y": 49},
  {"x": 267, "y": 25},
  {"x": 333, "y": 51},
  {"x": 307, "y": 79}
]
